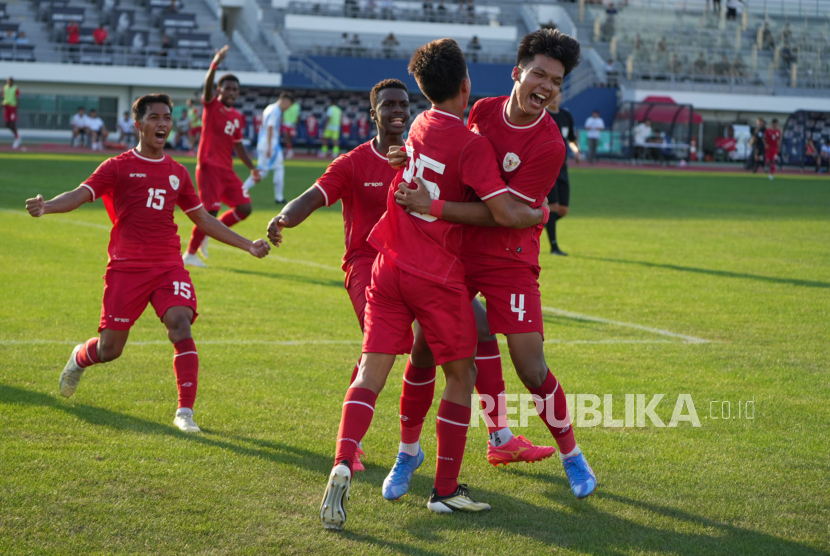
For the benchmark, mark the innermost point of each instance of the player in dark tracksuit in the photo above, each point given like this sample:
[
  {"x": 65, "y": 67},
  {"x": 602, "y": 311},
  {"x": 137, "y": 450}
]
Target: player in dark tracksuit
[{"x": 559, "y": 196}]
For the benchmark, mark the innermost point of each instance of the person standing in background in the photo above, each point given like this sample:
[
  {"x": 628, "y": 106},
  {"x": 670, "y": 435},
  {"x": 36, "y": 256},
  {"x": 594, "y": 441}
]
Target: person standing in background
[
  {"x": 288, "y": 129},
  {"x": 331, "y": 131},
  {"x": 594, "y": 125},
  {"x": 11, "y": 97},
  {"x": 559, "y": 196}
]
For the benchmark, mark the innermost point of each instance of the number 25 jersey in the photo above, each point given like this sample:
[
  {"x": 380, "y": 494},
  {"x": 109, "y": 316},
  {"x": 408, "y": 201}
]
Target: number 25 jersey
[
  {"x": 140, "y": 195},
  {"x": 456, "y": 165}
]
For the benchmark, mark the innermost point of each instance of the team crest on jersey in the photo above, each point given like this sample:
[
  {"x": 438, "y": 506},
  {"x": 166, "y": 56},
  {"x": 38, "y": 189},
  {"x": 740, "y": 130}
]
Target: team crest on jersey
[
  {"x": 174, "y": 182},
  {"x": 511, "y": 162}
]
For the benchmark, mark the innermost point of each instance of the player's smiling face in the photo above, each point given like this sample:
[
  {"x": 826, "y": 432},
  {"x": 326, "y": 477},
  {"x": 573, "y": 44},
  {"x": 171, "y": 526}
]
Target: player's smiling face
[
  {"x": 392, "y": 111},
  {"x": 228, "y": 92},
  {"x": 155, "y": 126},
  {"x": 537, "y": 83}
]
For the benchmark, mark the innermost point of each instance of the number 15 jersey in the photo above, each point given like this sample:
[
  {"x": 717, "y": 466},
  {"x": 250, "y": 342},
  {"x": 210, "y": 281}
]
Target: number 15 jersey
[
  {"x": 140, "y": 195},
  {"x": 456, "y": 165}
]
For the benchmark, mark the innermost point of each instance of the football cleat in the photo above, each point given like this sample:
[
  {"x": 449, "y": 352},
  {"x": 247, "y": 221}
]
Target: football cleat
[
  {"x": 203, "y": 247},
  {"x": 557, "y": 251},
  {"x": 357, "y": 466},
  {"x": 190, "y": 259},
  {"x": 580, "y": 476},
  {"x": 333, "y": 508},
  {"x": 16, "y": 144},
  {"x": 518, "y": 449},
  {"x": 458, "y": 501},
  {"x": 396, "y": 483},
  {"x": 184, "y": 420},
  {"x": 71, "y": 375}
]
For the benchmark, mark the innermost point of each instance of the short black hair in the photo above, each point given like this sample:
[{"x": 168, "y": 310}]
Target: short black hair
[
  {"x": 228, "y": 77},
  {"x": 553, "y": 43},
  {"x": 140, "y": 105},
  {"x": 82, "y": 108},
  {"x": 439, "y": 68},
  {"x": 775, "y": 120},
  {"x": 385, "y": 84},
  {"x": 287, "y": 94}
]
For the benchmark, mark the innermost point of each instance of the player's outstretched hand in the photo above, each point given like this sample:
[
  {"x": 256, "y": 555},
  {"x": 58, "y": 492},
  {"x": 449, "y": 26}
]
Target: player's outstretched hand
[
  {"x": 220, "y": 54},
  {"x": 256, "y": 174},
  {"x": 275, "y": 227},
  {"x": 35, "y": 206},
  {"x": 414, "y": 200},
  {"x": 397, "y": 157},
  {"x": 259, "y": 248}
]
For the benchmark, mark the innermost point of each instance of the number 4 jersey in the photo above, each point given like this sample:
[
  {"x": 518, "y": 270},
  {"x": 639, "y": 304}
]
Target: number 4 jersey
[
  {"x": 456, "y": 165},
  {"x": 140, "y": 195}
]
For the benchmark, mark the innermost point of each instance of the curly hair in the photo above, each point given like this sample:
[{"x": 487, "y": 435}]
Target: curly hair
[
  {"x": 385, "y": 84},
  {"x": 439, "y": 68},
  {"x": 553, "y": 44}
]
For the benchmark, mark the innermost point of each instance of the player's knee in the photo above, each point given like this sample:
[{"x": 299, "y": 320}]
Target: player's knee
[
  {"x": 563, "y": 211},
  {"x": 109, "y": 351},
  {"x": 244, "y": 210},
  {"x": 421, "y": 355},
  {"x": 532, "y": 376},
  {"x": 178, "y": 329}
]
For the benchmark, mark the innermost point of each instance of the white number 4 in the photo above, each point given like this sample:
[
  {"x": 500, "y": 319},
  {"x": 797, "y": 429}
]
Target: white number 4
[
  {"x": 156, "y": 198},
  {"x": 183, "y": 289},
  {"x": 520, "y": 308}
]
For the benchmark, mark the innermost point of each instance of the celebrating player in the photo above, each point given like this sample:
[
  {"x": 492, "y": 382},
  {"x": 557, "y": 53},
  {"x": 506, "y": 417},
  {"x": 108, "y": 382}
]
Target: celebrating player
[
  {"x": 560, "y": 194},
  {"x": 140, "y": 190},
  {"x": 218, "y": 183},
  {"x": 360, "y": 178},
  {"x": 418, "y": 274},
  {"x": 11, "y": 97},
  {"x": 503, "y": 264},
  {"x": 269, "y": 151},
  {"x": 772, "y": 144}
]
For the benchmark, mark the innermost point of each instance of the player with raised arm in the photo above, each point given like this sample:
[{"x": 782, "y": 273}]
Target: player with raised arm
[
  {"x": 503, "y": 264},
  {"x": 772, "y": 144},
  {"x": 360, "y": 179},
  {"x": 218, "y": 183},
  {"x": 140, "y": 190},
  {"x": 418, "y": 275},
  {"x": 269, "y": 151}
]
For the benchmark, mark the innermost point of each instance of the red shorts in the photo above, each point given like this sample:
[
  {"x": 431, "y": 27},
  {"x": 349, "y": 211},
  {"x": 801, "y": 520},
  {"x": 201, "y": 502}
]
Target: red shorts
[
  {"x": 288, "y": 131},
  {"x": 396, "y": 298},
  {"x": 194, "y": 131},
  {"x": 10, "y": 114},
  {"x": 127, "y": 292},
  {"x": 219, "y": 185},
  {"x": 358, "y": 279},
  {"x": 771, "y": 156},
  {"x": 514, "y": 303}
]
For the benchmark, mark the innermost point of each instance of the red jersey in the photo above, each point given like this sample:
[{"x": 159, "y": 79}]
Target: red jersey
[
  {"x": 456, "y": 165},
  {"x": 346, "y": 126},
  {"x": 360, "y": 179},
  {"x": 362, "y": 127},
  {"x": 771, "y": 139},
  {"x": 529, "y": 158},
  {"x": 221, "y": 130},
  {"x": 140, "y": 195},
  {"x": 312, "y": 126}
]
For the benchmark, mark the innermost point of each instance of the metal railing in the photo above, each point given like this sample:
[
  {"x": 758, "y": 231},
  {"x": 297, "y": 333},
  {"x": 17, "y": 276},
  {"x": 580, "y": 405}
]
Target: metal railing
[
  {"x": 128, "y": 56},
  {"x": 355, "y": 10}
]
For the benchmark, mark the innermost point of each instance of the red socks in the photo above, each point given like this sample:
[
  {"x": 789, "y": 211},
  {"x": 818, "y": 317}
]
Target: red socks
[
  {"x": 554, "y": 413},
  {"x": 229, "y": 218},
  {"x": 451, "y": 429},
  {"x": 88, "y": 355},
  {"x": 358, "y": 410},
  {"x": 416, "y": 399},
  {"x": 490, "y": 385},
  {"x": 186, "y": 367}
]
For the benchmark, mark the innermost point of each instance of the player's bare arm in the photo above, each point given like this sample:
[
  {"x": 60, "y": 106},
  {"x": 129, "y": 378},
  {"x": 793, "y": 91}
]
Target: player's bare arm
[
  {"x": 207, "y": 91},
  {"x": 295, "y": 213},
  {"x": 242, "y": 153},
  {"x": 212, "y": 227},
  {"x": 65, "y": 202},
  {"x": 501, "y": 210}
]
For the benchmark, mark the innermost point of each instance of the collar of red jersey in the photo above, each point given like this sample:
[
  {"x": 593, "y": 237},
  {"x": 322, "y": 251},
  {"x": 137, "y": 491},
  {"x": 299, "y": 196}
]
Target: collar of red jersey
[
  {"x": 433, "y": 109},
  {"x": 514, "y": 126},
  {"x": 135, "y": 153}
]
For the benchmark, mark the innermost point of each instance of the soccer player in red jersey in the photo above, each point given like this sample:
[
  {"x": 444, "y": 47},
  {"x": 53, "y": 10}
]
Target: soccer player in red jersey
[
  {"x": 772, "y": 143},
  {"x": 218, "y": 183},
  {"x": 360, "y": 179},
  {"x": 503, "y": 264},
  {"x": 418, "y": 274},
  {"x": 140, "y": 190}
]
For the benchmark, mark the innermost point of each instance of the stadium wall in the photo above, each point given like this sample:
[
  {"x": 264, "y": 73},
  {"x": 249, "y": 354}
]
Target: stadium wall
[{"x": 761, "y": 104}]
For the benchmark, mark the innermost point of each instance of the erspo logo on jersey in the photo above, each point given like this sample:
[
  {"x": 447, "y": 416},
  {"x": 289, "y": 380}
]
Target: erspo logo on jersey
[{"x": 373, "y": 184}]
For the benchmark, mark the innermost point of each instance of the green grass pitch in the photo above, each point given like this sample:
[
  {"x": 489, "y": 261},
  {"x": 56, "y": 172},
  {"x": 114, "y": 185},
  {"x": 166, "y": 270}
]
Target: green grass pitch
[{"x": 736, "y": 260}]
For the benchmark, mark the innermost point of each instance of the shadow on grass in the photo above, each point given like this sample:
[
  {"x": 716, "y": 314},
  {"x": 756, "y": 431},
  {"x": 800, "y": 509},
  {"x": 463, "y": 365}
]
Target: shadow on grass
[
  {"x": 288, "y": 277},
  {"x": 720, "y": 273}
]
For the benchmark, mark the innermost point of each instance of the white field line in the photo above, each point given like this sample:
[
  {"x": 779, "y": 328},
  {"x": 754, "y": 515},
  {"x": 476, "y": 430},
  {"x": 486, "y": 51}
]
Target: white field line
[
  {"x": 687, "y": 339},
  {"x": 502, "y": 341},
  {"x": 561, "y": 312}
]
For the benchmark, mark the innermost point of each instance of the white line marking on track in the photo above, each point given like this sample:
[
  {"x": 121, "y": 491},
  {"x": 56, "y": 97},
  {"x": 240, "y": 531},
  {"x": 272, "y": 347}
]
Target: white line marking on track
[
  {"x": 307, "y": 342},
  {"x": 687, "y": 339},
  {"x": 561, "y": 312}
]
